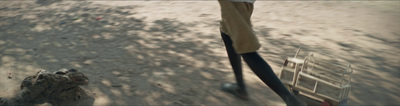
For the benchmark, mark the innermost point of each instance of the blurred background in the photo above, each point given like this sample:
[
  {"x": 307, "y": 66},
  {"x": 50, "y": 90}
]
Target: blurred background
[{"x": 171, "y": 53}]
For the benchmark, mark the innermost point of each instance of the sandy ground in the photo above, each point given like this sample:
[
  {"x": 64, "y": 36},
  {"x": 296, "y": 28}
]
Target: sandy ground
[{"x": 170, "y": 52}]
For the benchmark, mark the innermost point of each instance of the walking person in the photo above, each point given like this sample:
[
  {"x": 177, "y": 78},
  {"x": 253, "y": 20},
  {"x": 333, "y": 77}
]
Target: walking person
[{"x": 241, "y": 42}]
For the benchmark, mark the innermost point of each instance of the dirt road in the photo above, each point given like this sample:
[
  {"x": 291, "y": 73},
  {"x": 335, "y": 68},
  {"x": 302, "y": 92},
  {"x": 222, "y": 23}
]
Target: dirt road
[{"x": 171, "y": 53}]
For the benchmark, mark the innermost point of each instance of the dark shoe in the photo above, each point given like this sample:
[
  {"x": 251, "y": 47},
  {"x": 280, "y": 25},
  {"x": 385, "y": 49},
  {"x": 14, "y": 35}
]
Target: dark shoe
[
  {"x": 294, "y": 101},
  {"x": 235, "y": 90}
]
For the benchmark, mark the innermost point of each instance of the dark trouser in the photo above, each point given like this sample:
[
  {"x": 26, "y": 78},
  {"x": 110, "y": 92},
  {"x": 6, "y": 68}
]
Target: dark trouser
[{"x": 257, "y": 65}]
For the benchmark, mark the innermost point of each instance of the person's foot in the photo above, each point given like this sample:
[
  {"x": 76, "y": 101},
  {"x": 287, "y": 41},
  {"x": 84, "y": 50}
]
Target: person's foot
[
  {"x": 235, "y": 90},
  {"x": 294, "y": 101}
]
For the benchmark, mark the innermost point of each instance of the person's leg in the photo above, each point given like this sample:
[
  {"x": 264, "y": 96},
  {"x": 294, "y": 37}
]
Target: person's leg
[
  {"x": 236, "y": 23},
  {"x": 262, "y": 69},
  {"x": 235, "y": 59}
]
